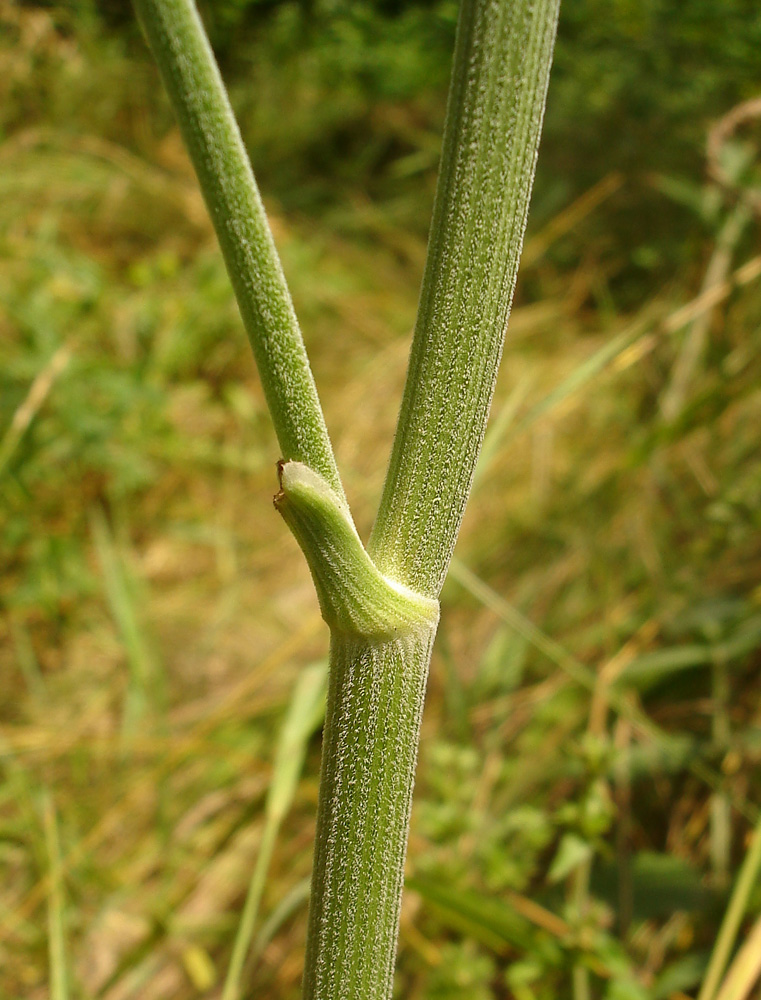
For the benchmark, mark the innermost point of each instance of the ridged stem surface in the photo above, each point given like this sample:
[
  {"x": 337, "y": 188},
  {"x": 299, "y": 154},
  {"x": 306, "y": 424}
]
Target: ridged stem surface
[
  {"x": 494, "y": 117},
  {"x": 496, "y": 104},
  {"x": 211, "y": 134},
  {"x": 375, "y": 702}
]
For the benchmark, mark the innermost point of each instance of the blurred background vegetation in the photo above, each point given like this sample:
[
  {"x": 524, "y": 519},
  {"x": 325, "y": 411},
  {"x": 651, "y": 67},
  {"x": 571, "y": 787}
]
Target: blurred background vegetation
[{"x": 591, "y": 754}]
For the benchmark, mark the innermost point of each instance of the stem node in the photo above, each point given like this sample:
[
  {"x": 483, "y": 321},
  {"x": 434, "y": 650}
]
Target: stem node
[{"x": 355, "y": 597}]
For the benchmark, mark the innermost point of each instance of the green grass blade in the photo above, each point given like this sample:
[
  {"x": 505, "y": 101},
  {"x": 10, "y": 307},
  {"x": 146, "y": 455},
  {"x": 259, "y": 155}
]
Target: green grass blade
[
  {"x": 293, "y": 900},
  {"x": 730, "y": 925},
  {"x": 583, "y": 374},
  {"x": 305, "y": 713},
  {"x": 499, "y": 430},
  {"x": 145, "y": 674},
  {"x": 649, "y": 668},
  {"x": 484, "y": 918},
  {"x": 59, "y": 979},
  {"x": 582, "y": 675}
]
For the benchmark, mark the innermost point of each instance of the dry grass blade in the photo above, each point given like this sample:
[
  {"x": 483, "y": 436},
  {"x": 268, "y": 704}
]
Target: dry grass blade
[
  {"x": 733, "y": 918},
  {"x": 569, "y": 218},
  {"x": 706, "y": 300},
  {"x": 181, "y": 749},
  {"x": 696, "y": 338},
  {"x": 35, "y": 399},
  {"x": 744, "y": 971},
  {"x": 59, "y": 989}
]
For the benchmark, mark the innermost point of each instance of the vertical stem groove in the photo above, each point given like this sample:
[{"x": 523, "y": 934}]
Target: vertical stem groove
[
  {"x": 375, "y": 703},
  {"x": 494, "y": 117},
  {"x": 211, "y": 134}
]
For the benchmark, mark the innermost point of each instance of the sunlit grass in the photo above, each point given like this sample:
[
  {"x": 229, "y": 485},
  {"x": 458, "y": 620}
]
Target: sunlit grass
[{"x": 136, "y": 522}]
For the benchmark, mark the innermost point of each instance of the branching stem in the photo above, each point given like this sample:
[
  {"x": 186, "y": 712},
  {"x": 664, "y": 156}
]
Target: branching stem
[{"x": 381, "y": 603}]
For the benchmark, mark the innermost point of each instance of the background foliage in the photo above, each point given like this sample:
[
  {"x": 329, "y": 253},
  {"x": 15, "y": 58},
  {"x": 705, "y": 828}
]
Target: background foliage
[{"x": 584, "y": 801}]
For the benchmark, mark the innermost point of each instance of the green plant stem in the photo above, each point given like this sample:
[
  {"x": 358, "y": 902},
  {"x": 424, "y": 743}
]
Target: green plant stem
[
  {"x": 381, "y": 639},
  {"x": 377, "y": 685},
  {"x": 208, "y": 126},
  {"x": 375, "y": 701},
  {"x": 580, "y": 897},
  {"x": 59, "y": 988},
  {"x": 304, "y": 714},
  {"x": 494, "y": 117}
]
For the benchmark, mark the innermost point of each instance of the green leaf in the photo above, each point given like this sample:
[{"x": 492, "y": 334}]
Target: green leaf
[
  {"x": 679, "y": 976},
  {"x": 662, "y": 884},
  {"x": 484, "y": 918},
  {"x": 650, "y": 668},
  {"x": 572, "y": 852}
]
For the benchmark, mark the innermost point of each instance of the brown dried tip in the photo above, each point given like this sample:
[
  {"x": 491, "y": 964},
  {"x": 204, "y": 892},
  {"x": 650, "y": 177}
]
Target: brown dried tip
[{"x": 279, "y": 497}]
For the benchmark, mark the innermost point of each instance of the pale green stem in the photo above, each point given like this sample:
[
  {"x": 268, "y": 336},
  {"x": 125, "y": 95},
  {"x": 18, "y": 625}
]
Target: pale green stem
[
  {"x": 59, "y": 988},
  {"x": 304, "y": 714},
  {"x": 375, "y": 703},
  {"x": 377, "y": 684},
  {"x": 198, "y": 96},
  {"x": 494, "y": 117},
  {"x": 580, "y": 896}
]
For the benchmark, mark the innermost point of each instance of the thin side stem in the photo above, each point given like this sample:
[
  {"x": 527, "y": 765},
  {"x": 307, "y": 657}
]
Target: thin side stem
[
  {"x": 200, "y": 102},
  {"x": 496, "y": 104},
  {"x": 59, "y": 986}
]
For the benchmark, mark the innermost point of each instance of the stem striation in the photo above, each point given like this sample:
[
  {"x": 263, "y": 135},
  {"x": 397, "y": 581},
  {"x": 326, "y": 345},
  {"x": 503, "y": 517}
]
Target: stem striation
[
  {"x": 211, "y": 134},
  {"x": 375, "y": 703},
  {"x": 494, "y": 118}
]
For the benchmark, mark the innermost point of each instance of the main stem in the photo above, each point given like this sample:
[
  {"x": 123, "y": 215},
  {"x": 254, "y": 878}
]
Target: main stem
[
  {"x": 494, "y": 117},
  {"x": 496, "y": 104},
  {"x": 375, "y": 702}
]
